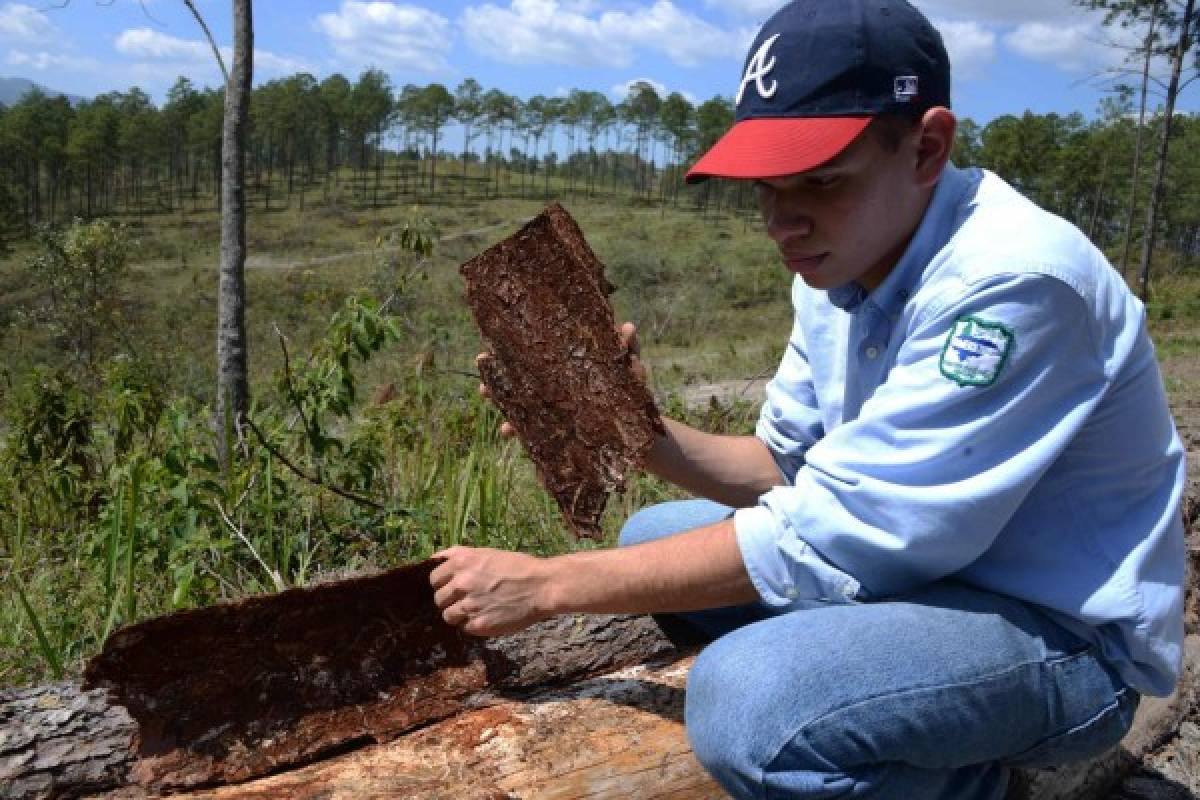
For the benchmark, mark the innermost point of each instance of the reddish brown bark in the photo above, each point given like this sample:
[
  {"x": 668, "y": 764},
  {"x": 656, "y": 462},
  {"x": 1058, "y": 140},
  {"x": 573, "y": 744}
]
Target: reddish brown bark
[{"x": 557, "y": 368}]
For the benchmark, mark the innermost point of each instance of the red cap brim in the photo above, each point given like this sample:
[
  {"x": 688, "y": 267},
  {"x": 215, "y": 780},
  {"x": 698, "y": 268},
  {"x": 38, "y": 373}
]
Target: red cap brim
[{"x": 771, "y": 148}]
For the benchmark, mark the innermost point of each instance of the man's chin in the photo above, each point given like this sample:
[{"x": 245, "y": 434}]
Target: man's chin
[{"x": 818, "y": 280}]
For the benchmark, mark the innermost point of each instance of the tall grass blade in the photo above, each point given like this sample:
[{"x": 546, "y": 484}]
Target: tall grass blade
[
  {"x": 463, "y": 500},
  {"x": 43, "y": 642},
  {"x": 135, "y": 480},
  {"x": 114, "y": 542}
]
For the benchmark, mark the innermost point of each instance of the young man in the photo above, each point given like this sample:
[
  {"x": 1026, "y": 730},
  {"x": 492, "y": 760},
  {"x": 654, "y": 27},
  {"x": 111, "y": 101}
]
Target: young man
[{"x": 954, "y": 544}]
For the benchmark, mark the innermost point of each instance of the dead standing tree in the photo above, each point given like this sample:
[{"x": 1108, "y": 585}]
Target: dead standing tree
[{"x": 233, "y": 393}]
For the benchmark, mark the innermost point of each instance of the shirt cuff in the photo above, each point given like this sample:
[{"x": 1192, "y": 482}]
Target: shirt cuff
[{"x": 785, "y": 570}]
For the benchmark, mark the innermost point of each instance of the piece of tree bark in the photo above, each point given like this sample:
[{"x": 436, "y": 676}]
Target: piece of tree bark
[
  {"x": 67, "y": 752},
  {"x": 557, "y": 367},
  {"x": 236, "y": 691}
]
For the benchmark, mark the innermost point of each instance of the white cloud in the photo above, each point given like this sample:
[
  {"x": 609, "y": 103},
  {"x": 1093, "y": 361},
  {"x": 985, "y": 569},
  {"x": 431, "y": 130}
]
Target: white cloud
[
  {"x": 25, "y": 25},
  {"x": 387, "y": 35},
  {"x": 266, "y": 61},
  {"x": 971, "y": 47},
  {"x": 147, "y": 44},
  {"x": 1080, "y": 47},
  {"x": 563, "y": 32},
  {"x": 151, "y": 44},
  {"x": 759, "y": 9},
  {"x": 999, "y": 12},
  {"x": 42, "y": 60},
  {"x": 1003, "y": 12}
]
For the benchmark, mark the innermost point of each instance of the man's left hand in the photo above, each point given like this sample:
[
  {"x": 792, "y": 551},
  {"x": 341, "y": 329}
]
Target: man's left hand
[{"x": 490, "y": 592}]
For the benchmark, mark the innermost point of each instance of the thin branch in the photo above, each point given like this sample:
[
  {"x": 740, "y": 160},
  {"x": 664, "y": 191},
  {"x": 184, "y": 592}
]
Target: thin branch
[
  {"x": 276, "y": 578},
  {"x": 146, "y": 11},
  {"x": 309, "y": 427},
  {"x": 340, "y": 492},
  {"x": 462, "y": 373},
  {"x": 232, "y": 590},
  {"x": 208, "y": 35}
]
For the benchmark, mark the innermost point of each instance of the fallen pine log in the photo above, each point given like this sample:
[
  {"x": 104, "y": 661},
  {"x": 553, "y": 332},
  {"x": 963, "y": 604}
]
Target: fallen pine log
[
  {"x": 616, "y": 734},
  {"x": 58, "y": 740}
]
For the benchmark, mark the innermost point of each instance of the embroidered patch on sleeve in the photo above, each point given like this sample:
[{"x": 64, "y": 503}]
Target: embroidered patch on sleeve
[{"x": 976, "y": 351}]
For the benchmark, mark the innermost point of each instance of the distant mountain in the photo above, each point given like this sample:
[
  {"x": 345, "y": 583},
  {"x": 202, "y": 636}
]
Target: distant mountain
[{"x": 13, "y": 89}]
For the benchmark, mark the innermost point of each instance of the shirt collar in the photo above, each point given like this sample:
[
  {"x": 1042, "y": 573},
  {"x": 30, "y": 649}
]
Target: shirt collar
[{"x": 937, "y": 226}]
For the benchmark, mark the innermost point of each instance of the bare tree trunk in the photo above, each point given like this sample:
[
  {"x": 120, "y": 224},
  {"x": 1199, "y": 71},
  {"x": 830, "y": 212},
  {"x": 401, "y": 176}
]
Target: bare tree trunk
[
  {"x": 1137, "y": 142},
  {"x": 433, "y": 166},
  {"x": 232, "y": 387},
  {"x": 1164, "y": 145},
  {"x": 1098, "y": 200}
]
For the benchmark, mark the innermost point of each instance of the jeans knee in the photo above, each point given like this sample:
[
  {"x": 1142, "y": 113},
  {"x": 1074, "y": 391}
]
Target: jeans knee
[
  {"x": 640, "y": 528},
  {"x": 720, "y": 720},
  {"x": 667, "y": 519}
]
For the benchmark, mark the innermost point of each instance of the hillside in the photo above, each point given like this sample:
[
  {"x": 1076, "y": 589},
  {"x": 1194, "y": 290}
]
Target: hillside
[{"x": 13, "y": 89}]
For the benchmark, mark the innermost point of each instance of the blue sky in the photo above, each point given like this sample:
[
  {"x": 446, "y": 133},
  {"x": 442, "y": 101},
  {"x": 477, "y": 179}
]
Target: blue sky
[{"x": 1009, "y": 55}]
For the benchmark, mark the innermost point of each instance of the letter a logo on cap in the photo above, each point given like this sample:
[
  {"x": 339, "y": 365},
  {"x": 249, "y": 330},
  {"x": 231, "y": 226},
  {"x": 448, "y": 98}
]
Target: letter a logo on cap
[{"x": 758, "y": 68}]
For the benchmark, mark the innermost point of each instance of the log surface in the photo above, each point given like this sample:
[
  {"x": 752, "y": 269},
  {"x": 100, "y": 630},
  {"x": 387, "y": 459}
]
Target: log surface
[
  {"x": 58, "y": 739},
  {"x": 618, "y": 736},
  {"x": 614, "y": 735}
]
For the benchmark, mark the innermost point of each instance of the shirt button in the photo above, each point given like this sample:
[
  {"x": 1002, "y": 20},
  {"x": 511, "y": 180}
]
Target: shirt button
[{"x": 872, "y": 352}]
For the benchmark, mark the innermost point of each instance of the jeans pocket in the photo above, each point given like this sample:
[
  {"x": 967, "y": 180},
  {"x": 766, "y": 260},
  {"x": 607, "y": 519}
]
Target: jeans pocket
[{"x": 1097, "y": 735}]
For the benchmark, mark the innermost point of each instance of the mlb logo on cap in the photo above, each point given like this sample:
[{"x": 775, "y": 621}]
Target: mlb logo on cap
[{"x": 907, "y": 88}]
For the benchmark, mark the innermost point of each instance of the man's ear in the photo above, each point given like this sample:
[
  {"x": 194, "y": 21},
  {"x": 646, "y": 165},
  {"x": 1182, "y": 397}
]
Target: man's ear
[{"x": 934, "y": 145}]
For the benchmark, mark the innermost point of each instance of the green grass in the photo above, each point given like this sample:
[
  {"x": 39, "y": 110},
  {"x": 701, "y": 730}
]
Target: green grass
[
  {"x": 139, "y": 535},
  {"x": 148, "y": 526}
]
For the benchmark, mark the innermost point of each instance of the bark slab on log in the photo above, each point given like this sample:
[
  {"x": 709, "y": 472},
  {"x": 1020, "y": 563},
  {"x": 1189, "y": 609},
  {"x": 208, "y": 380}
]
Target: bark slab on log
[
  {"x": 55, "y": 740},
  {"x": 615, "y": 735}
]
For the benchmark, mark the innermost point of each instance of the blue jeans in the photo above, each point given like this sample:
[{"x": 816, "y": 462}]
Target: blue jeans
[{"x": 932, "y": 696}]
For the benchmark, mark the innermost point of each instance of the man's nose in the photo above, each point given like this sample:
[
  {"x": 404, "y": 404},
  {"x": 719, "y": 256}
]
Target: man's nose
[{"x": 788, "y": 223}]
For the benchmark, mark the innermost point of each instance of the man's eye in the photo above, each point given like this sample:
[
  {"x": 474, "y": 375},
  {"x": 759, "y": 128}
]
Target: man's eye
[{"x": 823, "y": 181}]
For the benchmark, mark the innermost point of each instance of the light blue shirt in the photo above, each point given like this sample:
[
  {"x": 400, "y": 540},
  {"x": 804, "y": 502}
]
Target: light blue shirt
[{"x": 994, "y": 412}]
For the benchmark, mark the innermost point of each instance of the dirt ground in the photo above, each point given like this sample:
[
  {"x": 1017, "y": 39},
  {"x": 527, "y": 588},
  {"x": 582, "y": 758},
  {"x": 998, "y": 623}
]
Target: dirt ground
[{"x": 1173, "y": 772}]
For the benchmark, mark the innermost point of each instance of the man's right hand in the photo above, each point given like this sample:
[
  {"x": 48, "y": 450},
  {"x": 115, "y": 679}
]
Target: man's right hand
[
  {"x": 629, "y": 340},
  {"x": 628, "y": 336}
]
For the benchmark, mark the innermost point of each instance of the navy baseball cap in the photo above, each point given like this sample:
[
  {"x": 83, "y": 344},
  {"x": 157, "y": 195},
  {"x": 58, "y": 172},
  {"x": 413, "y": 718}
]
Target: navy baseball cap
[{"x": 817, "y": 74}]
